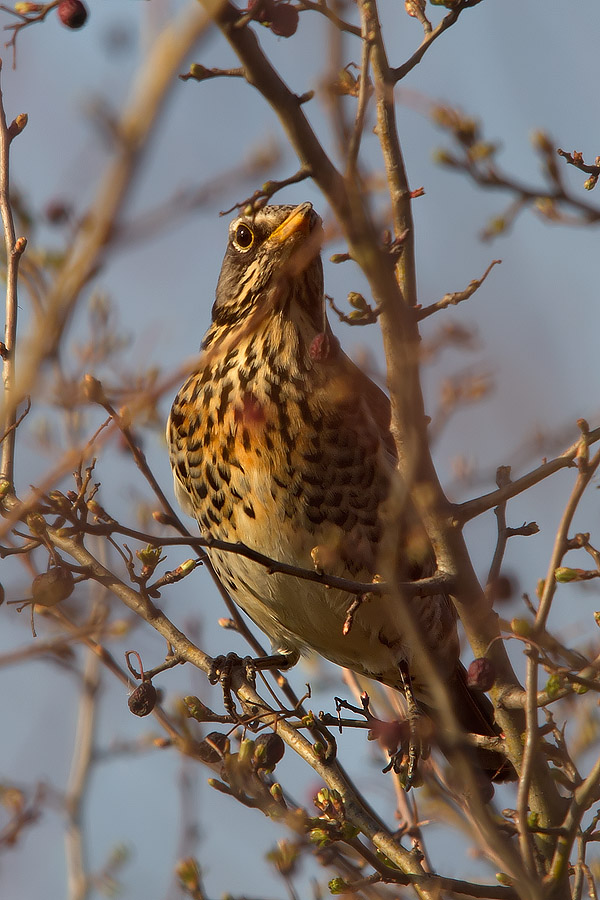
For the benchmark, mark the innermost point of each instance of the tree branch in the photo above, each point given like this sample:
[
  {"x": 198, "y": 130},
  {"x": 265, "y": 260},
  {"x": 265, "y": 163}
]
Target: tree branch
[{"x": 14, "y": 250}]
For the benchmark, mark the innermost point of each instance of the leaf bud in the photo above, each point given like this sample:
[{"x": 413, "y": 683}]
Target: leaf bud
[
  {"x": 521, "y": 627},
  {"x": 93, "y": 390},
  {"x": 36, "y": 523},
  {"x": 188, "y": 872},
  {"x": 554, "y": 685},
  {"x": 319, "y": 836},
  {"x": 246, "y": 751}
]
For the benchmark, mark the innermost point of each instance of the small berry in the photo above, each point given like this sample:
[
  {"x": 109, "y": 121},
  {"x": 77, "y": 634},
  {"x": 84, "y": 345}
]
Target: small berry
[
  {"x": 72, "y": 13},
  {"x": 481, "y": 674},
  {"x": 214, "y": 747},
  {"x": 57, "y": 212},
  {"x": 268, "y": 750},
  {"x": 53, "y": 586},
  {"x": 284, "y": 20},
  {"x": 261, "y": 10},
  {"x": 143, "y": 700}
]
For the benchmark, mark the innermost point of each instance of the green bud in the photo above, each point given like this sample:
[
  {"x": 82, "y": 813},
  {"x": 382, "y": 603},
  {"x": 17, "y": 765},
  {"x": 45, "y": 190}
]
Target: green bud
[
  {"x": 442, "y": 157},
  {"x": 357, "y": 301},
  {"x": 198, "y": 72},
  {"x": 321, "y": 801},
  {"x": 320, "y": 837},
  {"x": 276, "y": 792},
  {"x": 503, "y": 878},
  {"x": 554, "y": 685},
  {"x": 188, "y": 872},
  {"x": 246, "y": 751},
  {"x": 563, "y": 574},
  {"x": 338, "y": 886},
  {"x": 149, "y": 556},
  {"x": 349, "y": 832},
  {"x": 195, "y": 709},
  {"x": 36, "y": 523},
  {"x": 521, "y": 627},
  {"x": 497, "y": 225}
]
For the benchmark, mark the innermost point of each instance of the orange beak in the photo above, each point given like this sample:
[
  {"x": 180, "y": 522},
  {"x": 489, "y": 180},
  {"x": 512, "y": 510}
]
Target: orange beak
[{"x": 298, "y": 222}]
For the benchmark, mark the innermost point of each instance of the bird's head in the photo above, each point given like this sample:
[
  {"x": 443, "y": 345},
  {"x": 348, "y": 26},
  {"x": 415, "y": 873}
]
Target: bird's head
[{"x": 272, "y": 266}]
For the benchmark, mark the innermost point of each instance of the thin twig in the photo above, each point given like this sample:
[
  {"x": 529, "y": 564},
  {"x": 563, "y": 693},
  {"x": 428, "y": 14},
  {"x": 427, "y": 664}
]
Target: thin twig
[
  {"x": 79, "y": 776},
  {"x": 469, "y": 509},
  {"x": 456, "y": 297},
  {"x": 530, "y": 755},
  {"x": 423, "y": 587},
  {"x": 364, "y": 91},
  {"x": 132, "y": 132},
  {"x": 321, "y": 7},
  {"x": 14, "y": 249},
  {"x": 401, "y": 71},
  {"x": 560, "y": 543}
]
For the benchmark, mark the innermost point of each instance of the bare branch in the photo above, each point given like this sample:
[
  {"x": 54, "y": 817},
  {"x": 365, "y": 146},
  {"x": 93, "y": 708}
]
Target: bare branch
[
  {"x": 469, "y": 509},
  {"x": 14, "y": 251},
  {"x": 457, "y": 296}
]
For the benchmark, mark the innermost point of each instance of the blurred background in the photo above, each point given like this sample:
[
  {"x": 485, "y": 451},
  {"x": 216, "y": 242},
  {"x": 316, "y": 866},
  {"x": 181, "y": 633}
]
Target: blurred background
[{"x": 526, "y": 343}]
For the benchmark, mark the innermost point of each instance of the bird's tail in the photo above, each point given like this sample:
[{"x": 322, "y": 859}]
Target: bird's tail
[{"x": 475, "y": 714}]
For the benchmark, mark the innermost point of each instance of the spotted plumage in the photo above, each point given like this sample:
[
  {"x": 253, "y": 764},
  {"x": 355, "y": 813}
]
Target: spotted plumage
[{"x": 279, "y": 441}]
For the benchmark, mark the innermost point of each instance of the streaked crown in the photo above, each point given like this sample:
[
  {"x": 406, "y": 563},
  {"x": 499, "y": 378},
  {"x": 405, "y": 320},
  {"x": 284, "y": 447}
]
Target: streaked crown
[{"x": 272, "y": 261}]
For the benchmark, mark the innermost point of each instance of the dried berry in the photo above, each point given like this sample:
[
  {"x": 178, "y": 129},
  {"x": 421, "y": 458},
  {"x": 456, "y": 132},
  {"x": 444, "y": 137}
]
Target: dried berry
[
  {"x": 323, "y": 346},
  {"x": 215, "y": 746},
  {"x": 481, "y": 674},
  {"x": 143, "y": 700},
  {"x": 261, "y": 10},
  {"x": 268, "y": 750},
  {"x": 57, "y": 212},
  {"x": 284, "y": 20},
  {"x": 501, "y": 589},
  {"x": 52, "y": 586},
  {"x": 72, "y": 13}
]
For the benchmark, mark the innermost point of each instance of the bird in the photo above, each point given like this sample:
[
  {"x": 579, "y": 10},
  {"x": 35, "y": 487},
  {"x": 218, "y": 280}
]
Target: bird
[{"x": 279, "y": 441}]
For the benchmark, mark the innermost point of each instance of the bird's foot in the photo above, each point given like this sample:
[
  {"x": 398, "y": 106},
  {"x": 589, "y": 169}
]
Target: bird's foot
[
  {"x": 222, "y": 668},
  {"x": 404, "y": 741}
]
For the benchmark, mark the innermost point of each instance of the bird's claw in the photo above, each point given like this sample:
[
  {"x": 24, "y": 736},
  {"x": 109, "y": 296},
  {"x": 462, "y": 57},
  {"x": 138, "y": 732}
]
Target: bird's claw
[{"x": 221, "y": 672}]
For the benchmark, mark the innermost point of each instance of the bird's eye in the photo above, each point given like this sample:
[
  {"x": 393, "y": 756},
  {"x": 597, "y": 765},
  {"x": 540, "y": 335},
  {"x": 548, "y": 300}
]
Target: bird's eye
[{"x": 244, "y": 237}]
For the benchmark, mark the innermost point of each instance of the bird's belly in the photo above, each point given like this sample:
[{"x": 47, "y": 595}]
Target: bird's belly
[{"x": 298, "y": 614}]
